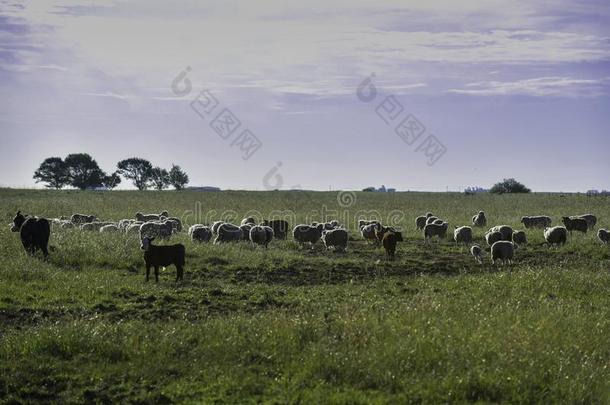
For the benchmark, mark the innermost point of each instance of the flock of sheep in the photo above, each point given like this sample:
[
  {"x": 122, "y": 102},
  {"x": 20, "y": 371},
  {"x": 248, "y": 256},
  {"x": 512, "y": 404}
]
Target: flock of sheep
[{"x": 503, "y": 240}]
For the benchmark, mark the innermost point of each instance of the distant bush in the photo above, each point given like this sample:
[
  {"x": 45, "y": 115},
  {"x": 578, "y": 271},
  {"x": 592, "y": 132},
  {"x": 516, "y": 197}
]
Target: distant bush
[{"x": 509, "y": 186}]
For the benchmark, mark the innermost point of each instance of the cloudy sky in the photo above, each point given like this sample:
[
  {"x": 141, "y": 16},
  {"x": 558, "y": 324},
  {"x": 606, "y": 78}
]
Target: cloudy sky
[{"x": 342, "y": 94}]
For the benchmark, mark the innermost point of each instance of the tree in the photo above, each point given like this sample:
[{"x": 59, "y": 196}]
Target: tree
[
  {"x": 83, "y": 171},
  {"x": 112, "y": 180},
  {"x": 159, "y": 178},
  {"x": 509, "y": 186},
  {"x": 53, "y": 172},
  {"x": 177, "y": 177},
  {"x": 137, "y": 170}
]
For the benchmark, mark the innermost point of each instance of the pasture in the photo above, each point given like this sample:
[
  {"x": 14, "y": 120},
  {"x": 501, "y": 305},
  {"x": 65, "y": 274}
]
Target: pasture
[{"x": 291, "y": 325}]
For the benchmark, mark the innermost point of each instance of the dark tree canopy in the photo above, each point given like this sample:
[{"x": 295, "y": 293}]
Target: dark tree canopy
[
  {"x": 159, "y": 178},
  {"x": 53, "y": 172},
  {"x": 112, "y": 180},
  {"x": 177, "y": 177},
  {"x": 509, "y": 186},
  {"x": 83, "y": 171},
  {"x": 137, "y": 170}
]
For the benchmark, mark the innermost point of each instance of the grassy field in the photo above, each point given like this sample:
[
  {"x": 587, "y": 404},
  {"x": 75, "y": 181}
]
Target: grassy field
[{"x": 287, "y": 325}]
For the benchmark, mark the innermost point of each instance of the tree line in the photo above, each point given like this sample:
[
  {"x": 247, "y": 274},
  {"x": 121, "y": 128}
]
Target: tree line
[{"x": 81, "y": 171}]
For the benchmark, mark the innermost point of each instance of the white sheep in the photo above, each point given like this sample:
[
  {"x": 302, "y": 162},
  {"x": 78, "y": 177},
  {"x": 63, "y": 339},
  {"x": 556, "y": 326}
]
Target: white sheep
[
  {"x": 261, "y": 235},
  {"x": 432, "y": 230},
  {"x": 156, "y": 229},
  {"x": 93, "y": 226},
  {"x": 492, "y": 237},
  {"x": 431, "y": 219},
  {"x": 368, "y": 232},
  {"x": 215, "y": 226},
  {"x": 146, "y": 217},
  {"x": 111, "y": 228},
  {"x": 538, "y": 221},
  {"x": 307, "y": 233},
  {"x": 200, "y": 233},
  {"x": 462, "y": 234},
  {"x": 124, "y": 223},
  {"x": 228, "y": 233},
  {"x": 604, "y": 236},
  {"x": 519, "y": 238},
  {"x": 504, "y": 251},
  {"x": 477, "y": 253},
  {"x": 479, "y": 219},
  {"x": 505, "y": 230},
  {"x": 335, "y": 238},
  {"x": 590, "y": 218},
  {"x": 557, "y": 235},
  {"x": 249, "y": 220},
  {"x": 133, "y": 228}
]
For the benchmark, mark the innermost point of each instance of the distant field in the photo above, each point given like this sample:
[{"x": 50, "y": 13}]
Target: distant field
[{"x": 286, "y": 325}]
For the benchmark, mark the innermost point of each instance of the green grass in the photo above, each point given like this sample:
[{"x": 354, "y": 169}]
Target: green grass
[{"x": 290, "y": 325}]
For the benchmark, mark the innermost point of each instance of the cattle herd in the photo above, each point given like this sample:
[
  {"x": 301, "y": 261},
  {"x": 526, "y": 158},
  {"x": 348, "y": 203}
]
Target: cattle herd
[{"x": 503, "y": 240}]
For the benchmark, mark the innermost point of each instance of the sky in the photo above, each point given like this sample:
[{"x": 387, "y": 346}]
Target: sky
[{"x": 320, "y": 95}]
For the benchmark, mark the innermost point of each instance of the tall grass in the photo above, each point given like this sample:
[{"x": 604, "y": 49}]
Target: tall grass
[{"x": 288, "y": 325}]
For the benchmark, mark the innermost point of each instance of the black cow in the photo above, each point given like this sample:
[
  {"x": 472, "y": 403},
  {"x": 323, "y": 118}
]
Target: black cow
[{"x": 34, "y": 233}]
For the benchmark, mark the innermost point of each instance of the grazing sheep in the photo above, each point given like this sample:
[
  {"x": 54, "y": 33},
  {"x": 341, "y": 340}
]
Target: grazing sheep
[
  {"x": 176, "y": 223},
  {"x": 261, "y": 235},
  {"x": 147, "y": 217},
  {"x": 368, "y": 232},
  {"x": 504, "y": 251},
  {"x": 604, "y": 236},
  {"x": 364, "y": 222},
  {"x": 34, "y": 233},
  {"x": 432, "y": 230},
  {"x": 79, "y": 219},
  {"x": 67, "y": 225},
  {"x": 505, "y": 230},
  {"x": 479, "y": 220},
  {"x": 228, "y": 233},
  {"x": 492, "y": 237},
  {"x": 389, "y": 241},
  {"x": 124, "y": 223},
  {"x": 590, "y": 218},
  {"x": 248, "y": 220},
  {"x": 538, "y": 221},
  {"x": 280, "y": 227},
  {"x": 110, "y": 228},
  {"x": 519, "y": 237},
  {"x": 431, "y": 219},
  {"x": 330, "y": 225},
  {"x": 156, "y": 229},
  {"x": 216, "y": 225},
  {"x": 477, "y": 253},
  {"x": 575, "y": 224},
  {"x": 156, "y": 256},
  {"x": 133, "y": 228},
  {"x": 557, "y": 235},
  {"x": 94, "y": 226},
  {"x": 193, "y": 227},
  {"x": 420, "y": 222},
  {"x": 462, "y": 234},
  {"x": 307, "y": 234},
  {"x": 200, "y": 233},
  {"x": 335, "y": 238},
  {"x": 245, "y": 231}
]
